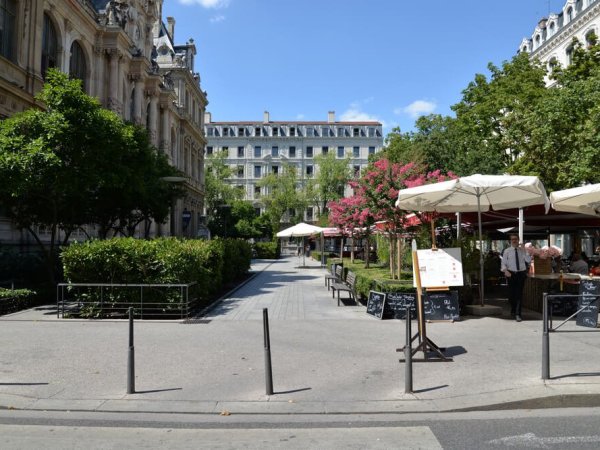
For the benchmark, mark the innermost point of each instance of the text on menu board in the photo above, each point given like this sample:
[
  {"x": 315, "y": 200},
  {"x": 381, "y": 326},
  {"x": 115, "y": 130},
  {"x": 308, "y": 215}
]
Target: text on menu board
[{"x": 440, "y": 268}]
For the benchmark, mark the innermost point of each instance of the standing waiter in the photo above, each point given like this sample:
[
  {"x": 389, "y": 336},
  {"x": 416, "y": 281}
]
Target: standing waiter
[{"x": 514, "y": 265}]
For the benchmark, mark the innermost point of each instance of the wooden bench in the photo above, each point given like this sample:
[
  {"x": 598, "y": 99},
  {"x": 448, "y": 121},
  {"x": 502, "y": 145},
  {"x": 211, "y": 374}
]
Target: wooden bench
[
  {"x": 345, "y": 286},
  {"x": 333, "y": 276}
]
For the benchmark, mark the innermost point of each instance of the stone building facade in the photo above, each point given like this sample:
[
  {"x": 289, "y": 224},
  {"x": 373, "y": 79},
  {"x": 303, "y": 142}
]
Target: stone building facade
[
  {"x": 258, "y": 148},
  {"x": 552, "y": 39},
  {"x": 127, "y": 58}
]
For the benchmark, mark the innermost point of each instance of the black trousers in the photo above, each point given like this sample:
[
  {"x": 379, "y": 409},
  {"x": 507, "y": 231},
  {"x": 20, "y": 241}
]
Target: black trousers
[{"x": 516, "y": 283}]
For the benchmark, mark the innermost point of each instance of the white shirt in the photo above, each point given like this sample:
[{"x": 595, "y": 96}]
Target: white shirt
[{"x": 509, "y": 261}]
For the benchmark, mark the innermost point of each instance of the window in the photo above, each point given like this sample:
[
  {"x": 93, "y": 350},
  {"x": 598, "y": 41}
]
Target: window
[
  {"x": 77, "y": 64},
  {"x": 371, "y": 132},
  {"x": 340, "y": 152},
  {"x": 325, "y": 149},
  {"x": 309, "y": 171},
  {"x": 226, "y": 150},
  {"x": 8, "y": 16},
  {"x": 371, "y": 150},
  {"x": 275, "y": 170},
  {"x": 240, "y": 171},
  {"x": 257, "y": 131},
  {"x": 310, "y": 131},
  {"x": 341, "y": 132},
  {"x": 356, "y": 151},
  {"x": 49, "y": 46},
  {"x": 225, "y": 131},
  {"x": 356, "y": 132},
  {"x": 292, "y": 152},
  {"x": 569, "y": 53},
  {"x": 257, "y": 151},
  {"x": 590, "y": 39},
  {"x": 210, "y": 131},
  {"x": 292, "y": 131},
  {"x": 209, "y": 150},
  {"x": 309, "y": 152},
  {"x": 257, "y": 171},
  {"x": 240, "y": 152},
  {"x": 309, "y": 213},
  {"x": 569, "y": 14},
  {"x": 257, "y": 210},
  {"x": 241, "y": 131},
  {"x": 275, "y": 131},
  {"x": 326, "y": 131},
  {"x": 275, "y": 151},
  {"x": 257, "y": 195},
  {"x": 356, "y": 170},
  {"x": 552, "y": 64}
]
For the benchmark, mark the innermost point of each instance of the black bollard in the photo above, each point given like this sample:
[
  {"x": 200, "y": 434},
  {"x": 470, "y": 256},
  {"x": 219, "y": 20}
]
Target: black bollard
[
  {"x": 408, "y": 381},
  {"x": 545, "y": 340},
  {"x": 131, "y": 357},
  {"x": 268, "y": 369}
]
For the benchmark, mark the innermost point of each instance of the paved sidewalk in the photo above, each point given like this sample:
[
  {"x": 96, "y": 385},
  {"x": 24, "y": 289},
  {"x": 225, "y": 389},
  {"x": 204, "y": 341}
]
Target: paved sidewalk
[{"x": 326, "y": 359}]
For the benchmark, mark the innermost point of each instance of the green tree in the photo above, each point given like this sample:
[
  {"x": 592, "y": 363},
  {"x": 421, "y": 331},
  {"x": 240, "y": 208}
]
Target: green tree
[
  {"x": 75, "y": 163},
  {"x": 329, "y": 182},
  {"x": 217, "y": 190},
  {"x": 488, "y": 128},
  {"x": 283, "y": 195}
]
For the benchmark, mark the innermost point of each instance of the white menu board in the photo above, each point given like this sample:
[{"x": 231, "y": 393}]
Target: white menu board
[{"x": 440, "y": 268}]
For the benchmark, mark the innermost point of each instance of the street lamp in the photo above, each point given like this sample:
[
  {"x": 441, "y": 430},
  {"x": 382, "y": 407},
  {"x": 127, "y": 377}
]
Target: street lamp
[{"x": 175, "y": 180}]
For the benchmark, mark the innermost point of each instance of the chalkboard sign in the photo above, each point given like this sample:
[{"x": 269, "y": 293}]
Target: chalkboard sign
[
  {"x": 441, "y": 305},
  {"x": 589, "y": 290},
  {"x": 375, "y": 304},
  {"x": 396, "y": 303}
]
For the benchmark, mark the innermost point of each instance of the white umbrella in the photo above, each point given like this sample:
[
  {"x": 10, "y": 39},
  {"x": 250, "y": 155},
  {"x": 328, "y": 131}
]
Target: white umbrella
[
  {"x": 301, "y": 230},
  {"x": 583, "y": 200},
  {"x": 475, "y": 193}
]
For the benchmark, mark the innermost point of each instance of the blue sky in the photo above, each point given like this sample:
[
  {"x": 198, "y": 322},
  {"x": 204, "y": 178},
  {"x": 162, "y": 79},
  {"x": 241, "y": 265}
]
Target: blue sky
[{"x": 388, "y": 60}]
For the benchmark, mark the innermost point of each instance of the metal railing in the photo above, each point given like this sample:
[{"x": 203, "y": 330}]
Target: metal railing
[
  {"x": 107, "y": 300},
  {"x": 589, "y": 306}
]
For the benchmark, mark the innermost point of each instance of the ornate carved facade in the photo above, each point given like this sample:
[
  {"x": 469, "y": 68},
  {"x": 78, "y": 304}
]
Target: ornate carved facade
[
  {"x": 126, "y": 57},
  {"x": 552, "y": 39}
]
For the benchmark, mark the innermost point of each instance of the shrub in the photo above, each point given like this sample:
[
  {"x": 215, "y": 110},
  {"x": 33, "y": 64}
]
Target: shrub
[
  {"x": 12, "y": 300},
  {"x": 160, "y": 261},
  {"x": 267, "y": 250}
]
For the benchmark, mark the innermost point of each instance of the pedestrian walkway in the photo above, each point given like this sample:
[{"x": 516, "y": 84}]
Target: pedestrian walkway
[{"x": 326, "y": 359}]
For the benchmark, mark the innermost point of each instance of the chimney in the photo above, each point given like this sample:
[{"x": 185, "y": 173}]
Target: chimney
[
  {"x": 266, "y": 117},
  {"x": 171, "y": 28},
  {"x": 331, "y": 116},
  {"x": 207, "y": 117}
]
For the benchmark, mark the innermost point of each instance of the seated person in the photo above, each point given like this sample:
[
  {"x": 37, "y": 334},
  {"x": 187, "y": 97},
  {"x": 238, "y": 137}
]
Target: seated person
[{"x": 578, "y": 265}]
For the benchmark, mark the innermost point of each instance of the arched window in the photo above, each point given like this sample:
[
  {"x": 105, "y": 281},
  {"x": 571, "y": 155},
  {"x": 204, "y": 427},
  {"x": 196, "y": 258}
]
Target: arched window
[
  {"x": 551, "y": 28},
  {"x": 8, "y": 21},
  {"x": 552, "y": 64},
  {"x": 591, "y": 38},
  {"x": 49, "y": 46},
  {"x": 77, "y": 64},
  {"x": 569, "y": 14}
]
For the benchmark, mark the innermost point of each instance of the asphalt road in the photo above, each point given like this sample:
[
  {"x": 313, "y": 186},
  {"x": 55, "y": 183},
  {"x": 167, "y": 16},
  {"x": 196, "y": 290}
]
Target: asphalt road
[{"x": 575, "y": 428}]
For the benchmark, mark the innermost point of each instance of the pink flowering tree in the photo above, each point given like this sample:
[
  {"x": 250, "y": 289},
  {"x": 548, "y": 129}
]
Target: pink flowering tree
[{"x": 376, "y": 193}]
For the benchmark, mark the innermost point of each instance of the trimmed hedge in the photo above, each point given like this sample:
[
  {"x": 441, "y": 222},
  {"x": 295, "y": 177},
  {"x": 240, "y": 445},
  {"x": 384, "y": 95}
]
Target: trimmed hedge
[
  {"x": 210, "y": 264},
  {"x": 267, "y": 250},
  {"x": 12, "y": 300}
]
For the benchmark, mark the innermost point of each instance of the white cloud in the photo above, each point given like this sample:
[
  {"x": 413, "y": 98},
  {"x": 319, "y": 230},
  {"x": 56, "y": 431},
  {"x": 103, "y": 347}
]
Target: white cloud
[
  {"x": 417, "y": 108},
  {"x": 217, "y": 19},
  {"x": 214, "y": 4},
  {"x": 356, "y": 114},
  {"x": 300, "y": 117}
]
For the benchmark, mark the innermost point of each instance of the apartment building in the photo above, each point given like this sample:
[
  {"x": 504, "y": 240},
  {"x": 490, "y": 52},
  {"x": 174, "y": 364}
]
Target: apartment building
[
  {"x": 127, "y": 58},
  {"x": 552, "y": 39},
  {"x": 258, "y": 148}
]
